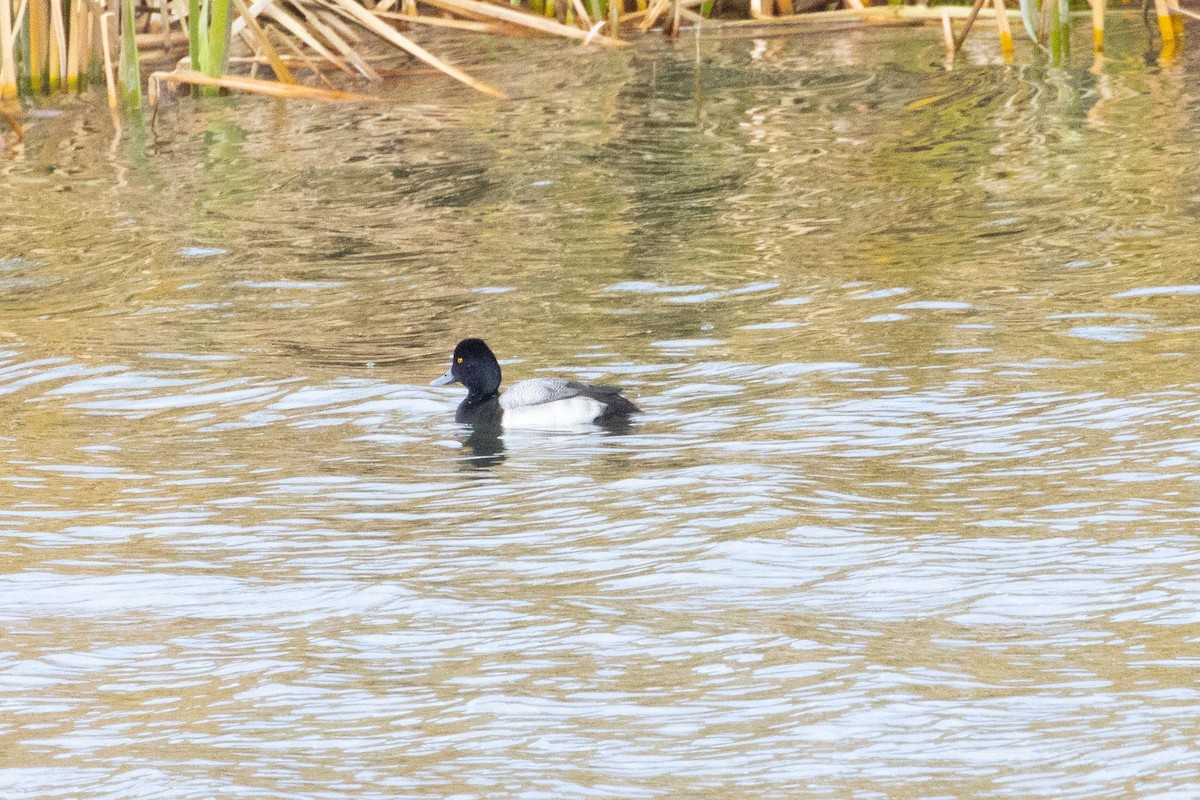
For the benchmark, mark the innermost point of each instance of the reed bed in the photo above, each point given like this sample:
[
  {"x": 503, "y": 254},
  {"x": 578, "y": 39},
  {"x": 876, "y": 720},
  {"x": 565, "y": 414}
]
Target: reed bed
[{"x": 66, "y": 45}]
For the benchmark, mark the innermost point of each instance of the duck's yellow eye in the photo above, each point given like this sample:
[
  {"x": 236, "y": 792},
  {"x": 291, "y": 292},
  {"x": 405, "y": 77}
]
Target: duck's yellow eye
[{"x": 459, "y": 360}]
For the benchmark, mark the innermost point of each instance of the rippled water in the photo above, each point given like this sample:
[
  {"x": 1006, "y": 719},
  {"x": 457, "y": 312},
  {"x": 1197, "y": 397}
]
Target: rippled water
[{"x": 910, "y": 514}]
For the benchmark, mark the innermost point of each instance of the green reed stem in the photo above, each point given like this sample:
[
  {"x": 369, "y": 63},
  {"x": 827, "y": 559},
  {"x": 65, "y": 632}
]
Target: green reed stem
[{"x": 129, "y": 73}]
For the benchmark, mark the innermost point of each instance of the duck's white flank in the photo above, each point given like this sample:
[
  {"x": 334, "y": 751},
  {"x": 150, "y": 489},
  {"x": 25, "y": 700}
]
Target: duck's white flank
[{"x": 569, "y": 413}]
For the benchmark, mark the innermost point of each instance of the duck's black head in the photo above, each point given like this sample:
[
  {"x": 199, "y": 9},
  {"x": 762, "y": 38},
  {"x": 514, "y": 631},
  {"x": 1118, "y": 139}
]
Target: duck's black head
[{"x": 475, "y": 367}]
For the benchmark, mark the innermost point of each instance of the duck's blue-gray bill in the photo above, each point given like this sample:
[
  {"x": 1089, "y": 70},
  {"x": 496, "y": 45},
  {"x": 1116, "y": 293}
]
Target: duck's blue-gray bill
[{"x": 442, "y": 381}]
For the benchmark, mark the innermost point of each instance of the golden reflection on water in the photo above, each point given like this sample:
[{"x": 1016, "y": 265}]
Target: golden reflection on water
[{"x": 910, "y": 513}]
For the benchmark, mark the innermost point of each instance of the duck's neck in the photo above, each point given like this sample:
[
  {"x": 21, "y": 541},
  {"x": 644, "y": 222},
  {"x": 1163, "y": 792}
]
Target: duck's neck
[
  {"x": 479, "y": 410},
  {"x": 477, "y": 397}
]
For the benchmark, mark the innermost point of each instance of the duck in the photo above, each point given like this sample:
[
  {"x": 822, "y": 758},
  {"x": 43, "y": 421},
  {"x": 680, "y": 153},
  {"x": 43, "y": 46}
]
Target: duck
[{"x": 535, "y": 403}]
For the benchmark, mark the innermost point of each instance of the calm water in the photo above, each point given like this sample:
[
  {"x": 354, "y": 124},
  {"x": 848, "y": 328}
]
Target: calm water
[{"x": 912, "y": 511}]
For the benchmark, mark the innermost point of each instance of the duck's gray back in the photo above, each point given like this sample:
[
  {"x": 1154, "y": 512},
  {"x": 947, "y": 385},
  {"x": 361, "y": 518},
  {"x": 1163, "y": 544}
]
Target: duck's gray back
[{"x": 536, "y": 391}]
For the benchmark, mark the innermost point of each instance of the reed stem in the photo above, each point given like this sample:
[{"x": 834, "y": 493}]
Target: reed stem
[
  {"x": 8, "y": 64},
  {"x": 1097, "y": 24},
  {"x": 129, "y": 74}
]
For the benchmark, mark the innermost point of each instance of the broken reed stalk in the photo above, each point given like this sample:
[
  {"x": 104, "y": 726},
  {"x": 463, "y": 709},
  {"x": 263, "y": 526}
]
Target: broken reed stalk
[
  {"x": 975, "y": 9},
  {"x": 253, "y": 85},
  {"x": 297, "y": 29},
  {"x": 329, "y": 34},
  {"x": 260, "y": 36},
  {"x": 441, "y": 22},
  {"x": 389, "y": 34},
  {"x": 842, "y": 18},
  {"x": 1186, "y": 13},
  {"x": 1176, "y": 18},
  {"x": 655, "y": 10},
  {"x": 312, "y": 65},
  {"x": 474, "y": 8}
]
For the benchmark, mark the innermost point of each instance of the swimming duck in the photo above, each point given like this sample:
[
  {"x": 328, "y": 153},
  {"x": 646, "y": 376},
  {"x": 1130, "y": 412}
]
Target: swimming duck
[{"x": 534, "y": 403}]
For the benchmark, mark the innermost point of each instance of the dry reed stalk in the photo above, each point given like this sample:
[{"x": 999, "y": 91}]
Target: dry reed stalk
[
  {"x": 312, "y": 65},
  {"x": 947, "y": 34},
  {"x": 293, "y": 91},
  {"x": 254, "y": 10},
  {"x": 593, "y": 33},
  {"x": 441, "y": 22},
  {"x": 19, "y": 20},
  {"x": 1005, "y": 31},
  {"x": 58, "y": 47},
  {"x": 1048, "y": 7},
  {"x": 297, "y": 29},
  {"x": 1097, "y": 25},
  {"x": 697, "y": 22},
  {"x": 10, "y": 31},
  {"x": 94, "y": 36},
  {"x": 334, "y": 20},
  {"x": 975, "y": 9},
  {"x": 655, "y": 11},
  {"x": 75, "y": 44},
  {"x": 1166, "y": 27},
  {"x": 39, "y": 35},
  {"x": 581, "y": 14},
  {"x": 763, "y": 31},
  {"x": 8, "y": 63},
  {"x": 110, "y": 81},
  {"x": 924, "y": 13},
  {"x": 389, "y": 34},
  {"x": 340, "y": 44},
  {"x": 256, "y": 56},
  {"x": 164, "y": 23},
  {"x": 823, "y": 20},
  {"x": 474, "y": 8},
  {"x": 1176, "y": 18},
  {"x": 260, "y": 36}
]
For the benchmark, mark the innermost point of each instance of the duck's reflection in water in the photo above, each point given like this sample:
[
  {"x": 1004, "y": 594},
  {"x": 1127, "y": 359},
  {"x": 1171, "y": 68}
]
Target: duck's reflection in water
[
  {"x": 484, "y": 446},
  {"x": 485, "y": 443}
]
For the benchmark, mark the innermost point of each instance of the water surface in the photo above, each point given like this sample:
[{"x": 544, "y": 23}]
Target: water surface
[{"x": 911, "y": 512}]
